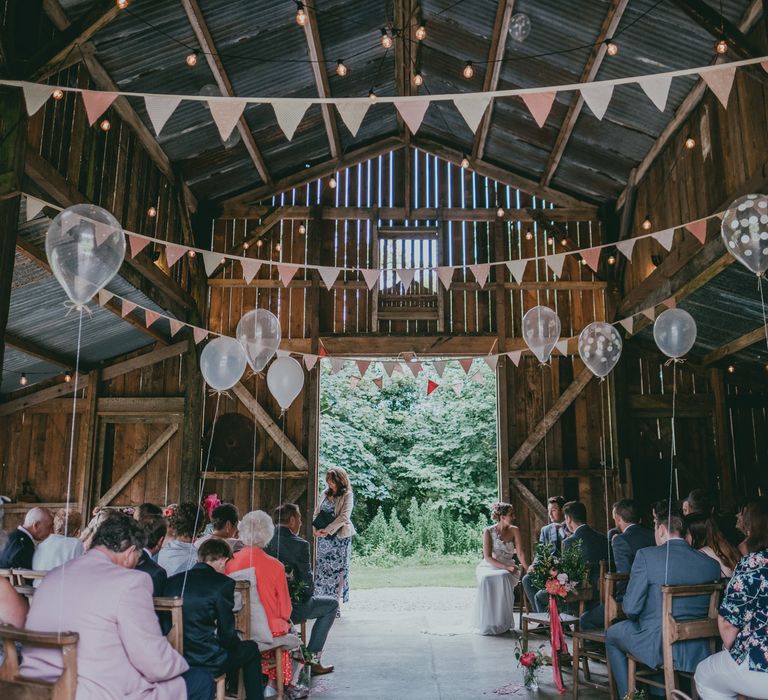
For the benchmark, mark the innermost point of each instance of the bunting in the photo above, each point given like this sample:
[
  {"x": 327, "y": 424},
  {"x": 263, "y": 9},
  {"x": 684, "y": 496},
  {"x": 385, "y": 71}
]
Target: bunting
[
  {"x": 413, "y": 111},
  {"x": 517, "y": 269},
  {"x": 555, "y": 263},
  {"x": 328, "y": 275},
  {"x": 337, "y": 364},
  {"x": 445, "y": 275},
  {"x": 35, "y": 96},
  {"x": 137, "y": 244},
  {"x": 362, "y": 367},
  {"x": 389, "y": 367},
  {"x": 698, "y": 229},
  {"x": 105, "y": 297},
  {"x": 491, "y": 361},
  {"x": 226, "y": 113},
  {"x": 466, "y": 364},
  {"x": 472, "y": 108},
  {"x": 591, "y": 256},
  {"x": 431, "y": 386},
  {"x": 515, "y": 356},
  {"x": 628, "y": 324},
  {"x": 665, "y": 238},
  {"x": 211, "y": 260},
  {"x": 657, "y": 89},
  {"x": 597, "y": 96},
  {"x": 650, "y": 313},
  {"x": 626, "y": 247},
  {"x": 481, "y": 273},
  {"x": 199, "y": 334},
  {"x": 310, "y": 361},
  {"x": 34, "y": 207},
  {"x": 176, "y": 326},
  {"x": 439, "y": 367},
  {"x": 457, "y": 387},
  {"x": 406, "y": 276},
  {"x": 160, "y": 108},
  {"x": 720, "y": 82},
  {"x": 150, "y": 317},
  {"x": 96, "y": 103},
  {"x": 286, "y": 273},
  {"x": 127, "y": 307},
  {"x": 289, "y": 114},
  {"x": 562, "y": 346},
  {"x": 174, "y": 253},
  {"x": 352, "y": 114},
  {"x": 539, "y": 104},
  {"x": 370, "y": 277}
]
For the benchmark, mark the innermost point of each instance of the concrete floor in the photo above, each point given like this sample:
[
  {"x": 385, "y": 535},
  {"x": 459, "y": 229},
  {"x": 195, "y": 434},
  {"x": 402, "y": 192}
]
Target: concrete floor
[{"x": 417, "y": 643}]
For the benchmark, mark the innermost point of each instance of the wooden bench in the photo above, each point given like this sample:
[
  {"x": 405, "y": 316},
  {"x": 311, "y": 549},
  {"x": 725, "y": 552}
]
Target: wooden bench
[
  {"x": 14, "y": 685},
  {"x": 174, "y": 607},
  {"x": 673, "y": 631},
  {"x": 27, "y": 577}
]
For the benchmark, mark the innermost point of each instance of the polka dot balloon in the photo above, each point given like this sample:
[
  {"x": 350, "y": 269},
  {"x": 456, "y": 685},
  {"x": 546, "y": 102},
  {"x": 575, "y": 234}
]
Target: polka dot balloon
[
  {"x": 600, "y": 347},
  {"x": 745, "y": 231}
]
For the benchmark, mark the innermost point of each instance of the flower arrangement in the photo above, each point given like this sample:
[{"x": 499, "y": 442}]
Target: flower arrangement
[
  {"x": 531, "y": 662},
  {"x": 558, "y": 574}
]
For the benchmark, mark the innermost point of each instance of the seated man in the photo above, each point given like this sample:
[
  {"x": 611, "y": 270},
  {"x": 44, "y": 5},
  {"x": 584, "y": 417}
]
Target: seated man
[
  {"x": 210, "y": 638},
  {"x": 554, "y": 533},
  {"x": 62, "y": 545},
  {"x": 155, "y": 528},
  {"x": 121, "y": 652},
  {"x": 224, "y": 519},
  {"x": 293, "y": 552},
  {"x": 673, "y": 562},
  {"x": 20, "y": 546}
]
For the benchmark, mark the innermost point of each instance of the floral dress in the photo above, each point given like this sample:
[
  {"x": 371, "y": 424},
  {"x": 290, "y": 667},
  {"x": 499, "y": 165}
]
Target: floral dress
[
  {"x": 333, "y": 555},
  {"x": 745, "y": 606}
]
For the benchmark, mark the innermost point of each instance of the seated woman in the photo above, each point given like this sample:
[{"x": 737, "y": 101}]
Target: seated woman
[
  {"x": 742, "y": 667},
  {"x": 705, "y": 536},
  {"x": 178, "y": 553},
  {"x": 498, "y": 573}
]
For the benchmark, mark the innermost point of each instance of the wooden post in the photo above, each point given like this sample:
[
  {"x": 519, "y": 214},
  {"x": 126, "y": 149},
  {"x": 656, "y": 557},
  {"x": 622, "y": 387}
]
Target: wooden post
[
  {"x": 727, "y": 487},
  {"x": 87, "y": 440},
  {"x": 192, "y": 426},
  {"x": 502, "y": 367}
]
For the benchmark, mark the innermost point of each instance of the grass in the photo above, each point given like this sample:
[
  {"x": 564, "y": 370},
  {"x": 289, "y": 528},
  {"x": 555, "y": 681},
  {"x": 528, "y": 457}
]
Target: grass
[{"x": 407, "y": 575}]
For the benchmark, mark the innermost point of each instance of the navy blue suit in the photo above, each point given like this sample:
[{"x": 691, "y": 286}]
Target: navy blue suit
[
  {"x": 18, "y": 552},
  {"x": 640, "y": 635}
]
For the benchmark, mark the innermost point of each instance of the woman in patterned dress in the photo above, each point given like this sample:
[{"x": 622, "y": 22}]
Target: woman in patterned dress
[{"x": 334, "y": 541}]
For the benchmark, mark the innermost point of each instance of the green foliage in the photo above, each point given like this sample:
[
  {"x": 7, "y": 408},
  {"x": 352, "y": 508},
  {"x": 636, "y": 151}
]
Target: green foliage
[{"x": 546, "y": 560}]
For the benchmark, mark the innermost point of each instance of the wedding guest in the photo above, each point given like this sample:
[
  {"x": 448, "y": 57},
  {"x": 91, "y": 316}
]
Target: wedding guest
[
  {"x": 698, "y": 501},
  {"x": 178, "y": 553},
  {"x": 211, "y": 643},
  {"x": 672, "y": 562},
  {"x": 121, "y": 652},
  {"x": 146, "y": 509},
  {"x": 743, "y": 508},
  {"x": 155, "y": 528},
  {"x": 20, "y": 547},
  {"x": 498, "y": 573},
  {"x": 742, "y": 667},
  {"x": 334, "y": 539},
  {"x": 224, "y": 519},
  {"x": 13, "y": 606},
  {"x": 98, "y": 516},
  {"x": 59, "y": 547},
  {"x": 704, "y": 536},
  {"x": 293, "y": 551},
  {"x": 553, "y": 533}
]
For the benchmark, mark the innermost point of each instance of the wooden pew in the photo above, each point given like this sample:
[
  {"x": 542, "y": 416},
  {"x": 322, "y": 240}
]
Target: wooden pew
[
  {"x": 173, "y": 606},
  {"x": 13, "y": 685}
]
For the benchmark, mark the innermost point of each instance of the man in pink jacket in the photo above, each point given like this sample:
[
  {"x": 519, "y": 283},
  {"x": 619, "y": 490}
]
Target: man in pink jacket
[{"x": 121, "y": 655}]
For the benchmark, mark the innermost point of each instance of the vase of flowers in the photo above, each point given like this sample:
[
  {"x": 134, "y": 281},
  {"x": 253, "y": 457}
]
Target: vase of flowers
[{"x": 530, "y": 662}]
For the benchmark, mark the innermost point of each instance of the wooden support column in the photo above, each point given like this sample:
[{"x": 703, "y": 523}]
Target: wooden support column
[
  {"x": 192, "y": 425},
  {"x": 726, "y": 477},
  {"x": 87, "y": 447},
  {"x": 503, "y": 373}
]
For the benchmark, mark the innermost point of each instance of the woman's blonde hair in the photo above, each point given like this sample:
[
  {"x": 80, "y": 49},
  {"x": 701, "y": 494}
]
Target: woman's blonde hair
[
  {"x": 340, "y": 479},
  {"x": 499, "y": 510},
  {"x": 256, "y": 529}
]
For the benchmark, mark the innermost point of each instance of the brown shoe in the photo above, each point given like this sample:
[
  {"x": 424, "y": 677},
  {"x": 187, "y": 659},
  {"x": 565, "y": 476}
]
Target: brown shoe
[{"x": 320, "y": 670}]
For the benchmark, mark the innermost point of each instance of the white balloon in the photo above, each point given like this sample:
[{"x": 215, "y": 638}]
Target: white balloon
[
  {"x": 222, "y": 363},
  {"x": 541, "y": 331},
  {"x": 745, "y": 231},
  {"x": 85, "y": 246},
  {"x": 600, "y": 347},
  {"x": 285, "y": 378},
  {"x": 259, "y": 333},
  {"x": 674, "y": 332},
  {"x": 519, "y": 26}
]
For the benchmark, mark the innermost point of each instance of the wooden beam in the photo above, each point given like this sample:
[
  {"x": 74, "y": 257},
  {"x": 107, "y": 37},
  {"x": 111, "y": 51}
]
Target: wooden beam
[
  {"x": 319, "y": 70},
  {"x": 733, "y": 346},
  {"x": 87, "y": 440},
  {"x": 272, "y": 429},
  {"x": 41, "y": 395},
  {"x": 552, "y": 416},
  {"x": 493, "y": 71},
  {"x": 208, "y": 48},
  {"x": 138, "y": 465},
  {"x": 660, "y": 405},
  {"x": 594, "y": 61},
  {"x": 33, "y": 349},
  {"x": 144, "y": 360},
  {"x": 269, "y": 221},
  {"x": 246, "y": 475},
  {"x": 719, "y": 27},
  {"x": 140, "y": 406},
  {"x": 530, "y": 498}
]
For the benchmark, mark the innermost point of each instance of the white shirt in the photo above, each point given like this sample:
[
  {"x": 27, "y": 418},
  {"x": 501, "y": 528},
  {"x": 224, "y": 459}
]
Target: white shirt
[{"x": 54, "y": 551}]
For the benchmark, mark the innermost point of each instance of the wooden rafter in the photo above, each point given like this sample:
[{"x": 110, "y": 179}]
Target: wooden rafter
[
  {"x": 208, "y": 48},
  {"x": 271, "y": 219},
  {"x": 595, "y": 60},
  {"x": 319, "y": 69},
  {"x": 719, "y": 27},
  {"x": 493, "y": 71},
  {"x": 731, "y": 347},
  {"x": 530, "y": 498},
  {"x": 33, "y": 349}
]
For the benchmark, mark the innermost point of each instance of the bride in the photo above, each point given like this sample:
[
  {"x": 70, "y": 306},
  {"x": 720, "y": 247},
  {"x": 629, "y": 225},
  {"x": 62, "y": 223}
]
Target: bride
[{"x": 498, "y": 573}]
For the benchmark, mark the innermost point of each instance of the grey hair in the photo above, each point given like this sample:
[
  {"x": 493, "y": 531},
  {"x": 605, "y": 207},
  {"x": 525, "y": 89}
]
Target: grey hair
[
  {"x": 256, "y": 529},
  {"x": 37, "y": 515}
]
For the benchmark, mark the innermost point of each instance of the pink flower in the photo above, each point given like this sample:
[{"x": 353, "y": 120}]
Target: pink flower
[
  {"x": 554, "y": 587},
  {"x": 528, "y": 659}
]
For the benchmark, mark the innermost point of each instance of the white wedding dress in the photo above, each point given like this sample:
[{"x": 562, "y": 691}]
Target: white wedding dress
[{"x": 493, "y": 610}]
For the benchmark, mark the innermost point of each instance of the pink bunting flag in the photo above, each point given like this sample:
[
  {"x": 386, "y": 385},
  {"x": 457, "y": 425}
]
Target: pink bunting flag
[
  {"x": 150, "y": 317},
  {"x": 286, "y": 273},
  {"x": 226, "y": 113},
  {"x": 389, "y": 367},
  {"x": 414, "y": 367},
  {"x": 412, "y": 111},
  {"x": 370, "y": 277},
  {"x": 199, "y": 334},
  {"x": 101, "y": 232},
  {"x": 127, "y": 307},
  {"x": 362, "y": 366},
  {"x": 439, "y": 366},
  {"x": 539, "y": 105},
  {"x": 517, "y": 269},
  {"x": 310, "y": 361},
  {"x": 626, "y": 247},
  {"x": 137, "y": 244},
  {"x": 176, "y": 326},
  {"x": 250, "y": 269},
  {"x": 96, "y": 103},
  {"x": 328, "y": 275},
  {"x": 720, "y": 82},
  {"x": 491, "y": 361},
  {"x": 457, "y": 387},
  {"x": 670, "y": 303},
  {"x": 431, "y": 386},
  {"x": 378, "y": 382},
  {"x": 174, "y": 253},
  {"x": 478, "y": 378},
  {"x": 555, "y": 263},
  {"x": 481, "y": 273},
  {"x": 592, "y": 258},
  {"x": 649, "y": 313},
  {"x": 105, "y": 297},
  {"x": 445, "y": 275},
  {"x": 354, "y": 381},
  {"x": 698, "y": 229},
  {"x": 466, "y": 364},
  {"x": 337, "y": 364},
  {"x": 515, "y": 356},
  {"x": 34, "y": 207},
  {"x": 628, "y": 324},
  {"x": 36, "y": 95},
  {"x": 665, "y": 238},
  {"x": 406, "y": 276},
  {"x": 211, "y": 260}
]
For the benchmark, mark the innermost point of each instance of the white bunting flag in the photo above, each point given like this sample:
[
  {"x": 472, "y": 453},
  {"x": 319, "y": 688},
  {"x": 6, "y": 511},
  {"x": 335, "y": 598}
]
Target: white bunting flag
[
  {"x": 160, "y": 108},
  {"x": 310, "y": 361},
  {"x": 515, "y": 356},
  {"x": 354, "y": 381},
  {"x": 517, "y": 269},
  {"x": 176, "y": 326},
  {"x": 555, "y": 263},
  {"x": 472, "y": 109},
  {"x": 286, "y": 273},
  {"x": 478, "y": 378},
  {"x": 289, "y": 114},
  {"x": 665, "y": 238},
  {"x": 226, "y": 113},
  {"x": 328, "y": 275},
  {"x": 457, "y": 387},
  {"x": 105, "y": 297},
  {"x": 211, "y": 260},
  {"x": 539, "y": 105},
  {"x": 389, "y": 368},
  {"x": 406, "y": 276},
  {"x": 199, "y": 334},
  {"x": 626, "y": 247},
  {"x": 491, "y": 361},
  {"x": 412, "y": 112},
  {"x": 445, "y": 275},
  {"x": 481, "y": 273},
  {"x": 101, "y": 232},
  {"x": 362, "y": 366},
  {"x": 127, "y": 307},
  {"x": 562, "y": 346},
  {"x": 370, "y": 277},
  {"x": 174, "y": 253},
  {"x": 720, "y": 82},
  {"x": 657, "y": 89},
  {"x": 439, "y": 366},
  {"x": 36, "y": 95},
  {"x": 337, "y": 364},
  {"x": 34, "y": 207},
  {"x": 628, "y": 324},
  {"x": 352, "y": 113},
  {"x": 96, "y": 103},
  {"x": 597, "y": 96},
  {"x": 650, "y": 313},
  {"x": 250, "y": 269}
]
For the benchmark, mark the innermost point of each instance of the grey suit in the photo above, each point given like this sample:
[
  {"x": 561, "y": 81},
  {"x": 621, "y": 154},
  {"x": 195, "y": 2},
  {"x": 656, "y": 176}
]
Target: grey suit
[
  {"x": 553, "y": 534},
  {"x": 640, "y": 635}
]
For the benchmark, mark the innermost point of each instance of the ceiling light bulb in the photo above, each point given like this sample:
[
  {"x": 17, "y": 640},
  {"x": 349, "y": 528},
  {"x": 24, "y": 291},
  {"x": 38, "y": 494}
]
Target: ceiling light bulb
[
  {"x": 105, "y": 125},
  {"x": 58, "y": 94},
  {"x": 301, "y": 16},
  {"x": 418, "y": 79},
  {"x": 246, "y": 245},
  {"x": 721, "y": 47},
  {"x": 332, "y": 182},
  {"x": 23, "y": 381},
  {"x": 191, "y": 253},
  {"x": 341, "y": 69},
  {"x": 500, "y": 212},
  {"x": 647, "y": 223},
  {"x": 690, "y": 143},
  {"x": 611, "y": 260},
  {"x": 563, "y": 242},
  {"x": 121, "y": 4},
  {"x": 277, "y": 247},
  {"x": 610, "y": 48},
  {"x": 421, "y": 32},
  {"x": 468, "y": 71},
  {"x": 386, "y": 39},
  {"x": 528, "y": 235},
  {"x": 372, "y": 96},
  {"x": 191, "y": 59},
  {"x": 465, "y": 162},
  {"x": 259, "y": 243},
  {"x": 67, "y": 377},
  {"x": 731, "y": 369},
  {"x": 302, "y": 229},
  {"x": 152, "y": 212}
]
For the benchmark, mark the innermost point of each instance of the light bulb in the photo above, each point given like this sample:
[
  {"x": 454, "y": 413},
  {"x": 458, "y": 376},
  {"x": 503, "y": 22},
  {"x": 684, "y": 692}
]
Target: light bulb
[
  {"x": 563, "y": 242},
  {"x": 528, "y": 235},
  {"x": 465, "y": 162},
  {"x": 332, "y": 182},
  {"x": 386, "y": 39},
  {"x": 421, "y": 32},
  {"x": 23, "y": 381},
  {"x": 259, "y": 243},
  {"x": 647, "y": 223},
  {"x": 302, "y": 229},
  {"x": 418, "y": 79},
  {"x": 721, "y": 47},
  {"x": 152, "y": 212},
  {"x": 278, "y": 247},
  {"x": 731, "y": 369},
  {"x": 468, "y": 71},
  {"x": 690, "y": 143},
  {"x": 372, "y": 96},
  {"x": 105, "y": 125},
  {"x": 246, "y": 245},
  {"x": 121, "y": 4},
  {"x": 301, "y": 16},
  {"x": 67, "y": 377},
  {"x": 191, "y": 253},
  {"x": 582, "y": 261},
  {"x": 500, "y": 212},
  {"x": 191, "y": 59},
  {"x": 610, "y": 48},
  {"x": 341, "y": 69},
  {"x": 58, "y": 94},
  {"x": 611, "y": 260}
]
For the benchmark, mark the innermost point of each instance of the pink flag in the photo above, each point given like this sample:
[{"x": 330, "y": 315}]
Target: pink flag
[
  {"x": 362, "y": 366},
  {"x": 439, "y": 366},
  {"x": 310, "y": 361},
  {"x": 555, "y": 263},
  {"x": 96, "y": 103},
  {"x": 665, "y": 238},
  {"x": 445, "y": 274},
  {"x": 250, "y": 269},
  {"x": 128, "y": 307},
  {"x": 370, "y": 277},
  {"x": 137, "y": 244},
  {"x": 456, "y": 388},
  {"x": 431, "y": 386},
  {"x": 649, "y": 313},
  {"x": 174, "y": 253},
  {"x": 626, "y": 247},
  {"x": 328, "y": 275},
  {"x": 592, "y": 257},
  {"x": 720, "y": 82},
  {"x": 406, "y": 276},
  {"x": 670, "y": 303},
  {"x": 412, "y": 112},
  {"x": 466, "y": 364},
  {"x": 150, "y": 317},
  {"x": 628, "y": 324},
  {"x": 200, "y": 334},
  {"x": 698, "y": 229},
  {"x": 176, "y": 326},
  {"x": 101, "y": 232},
  {"x": 389, "y": 367},
  {"x": 491, "y": 361},
  {"x": 517, "y": 269},
  {"x": 104, "y": 297},
  {"x": 415, "y": 368},
  {"x": 286, "y": 273},
  {"x": 481, "y": 273},
  {"x": 515, "y": 357},
  {"x": 539, "y": 105},
  {"x": 378, "y": 382}
]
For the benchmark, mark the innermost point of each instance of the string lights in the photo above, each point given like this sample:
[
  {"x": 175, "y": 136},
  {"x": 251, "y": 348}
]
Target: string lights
[
  {"x": 721, "y": 47},
  {"x": 372, "y": 96},
  {"x": 386, "y": 38},
  {"x": 418, "y": 79},
  {"x": 332, "y": 183},
  {"x": 500, "y": 212},
  {"x": 611, "y": 47},
  {"x": 23, "y": 379},
  {"x": 647, "y": 223},
  {"x": 468, "y": 71},
  {"x": 731, "y": 369},
  {"x": 191, "y": 253},
  {"x": 302, "y": 229},
  {"x": 341, "y": 69},
  {"x": 58, "y": 94},
  {"x": 528, "y": 234},
  {"x": 152, "y": 212},
  {"x": 121, "y": 4},
  {"x": 611, "y": 260},
  {"x": 421, "y": 32},
  {"x": 301, "y": 15},
  {"x": 464, "y": 162},
  {"x": 191, "y": 59},
  {"x": 67, "y": 377},
  {"x": 690, "y": 143}
]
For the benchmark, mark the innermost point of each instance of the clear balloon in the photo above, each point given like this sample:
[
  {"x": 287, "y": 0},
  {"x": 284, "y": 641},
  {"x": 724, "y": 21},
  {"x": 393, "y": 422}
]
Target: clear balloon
[
  {"x": 85, "y": 246},
  {"x": 259, "y": 334},
  {"x": 519, "y": 26},
  {"x": 222, "y": 363},
  {"x": 674, "y": 332},
  {"x": 745, "y": 231},
  {"x": 541, "y": 330},
  {"x": 285, "y": 378},
  {"x": 600, "y": 347}
]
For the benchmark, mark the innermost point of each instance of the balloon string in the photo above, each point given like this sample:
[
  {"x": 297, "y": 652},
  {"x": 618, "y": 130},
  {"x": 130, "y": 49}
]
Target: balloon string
[
  {"x": 255, "y": 433},
  {"x": 672, "y": 453},
  {"x": 762, "y": 303},
  {"x": 544, "y": 415},
  {"x": 604, "y": 462}
]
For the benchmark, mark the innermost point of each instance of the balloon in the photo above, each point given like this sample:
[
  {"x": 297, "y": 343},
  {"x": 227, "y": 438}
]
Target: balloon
[
  {"x": 745, "y": 231},
  {"x": 222, "y": 363},
  {"x": 285, "y": 378},
  {"x": 85, "y": 246},
  {"x": 541, "y": 330},
  {"x": 600, "y": 347},
  {"x": 674, "y": 332},
  {"x": 259, "y": 334},
  {"x": 519, "y": 26}
]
